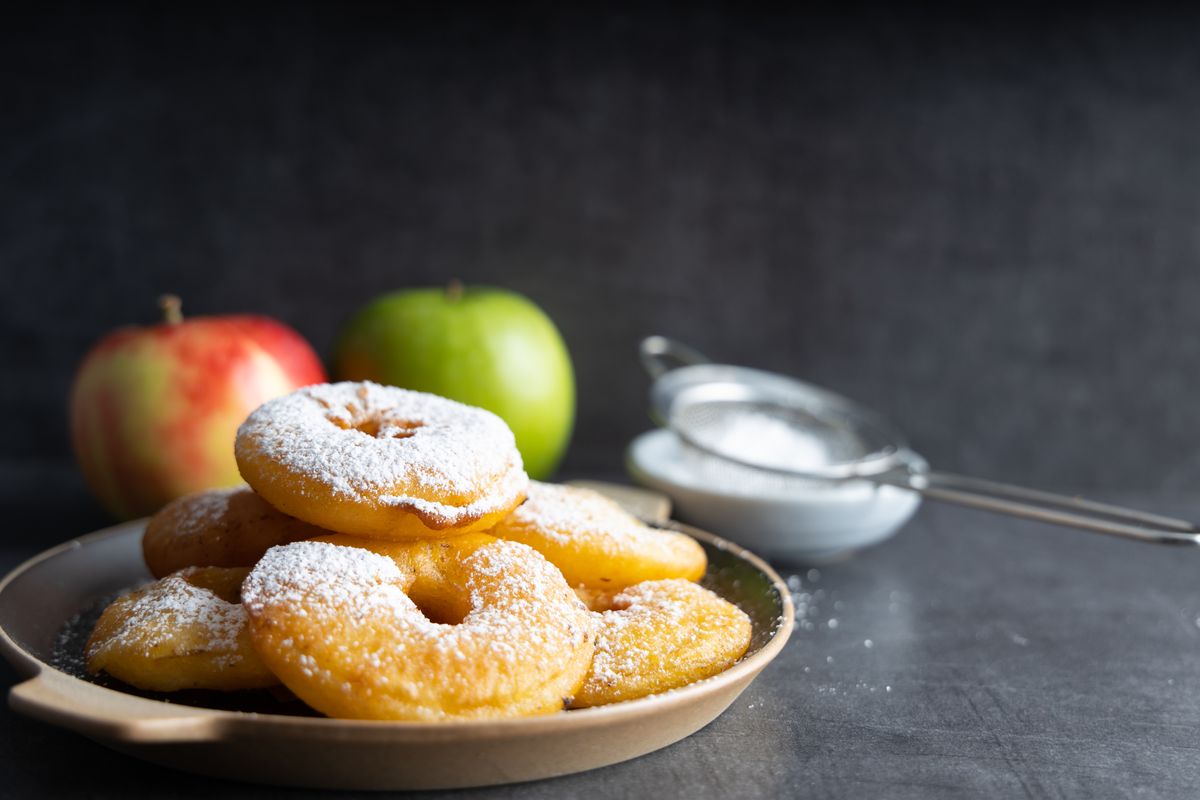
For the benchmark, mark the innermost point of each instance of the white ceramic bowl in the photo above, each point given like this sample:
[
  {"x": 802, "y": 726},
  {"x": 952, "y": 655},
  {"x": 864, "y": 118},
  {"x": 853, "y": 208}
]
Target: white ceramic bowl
[{"x": 787, "y": 521}]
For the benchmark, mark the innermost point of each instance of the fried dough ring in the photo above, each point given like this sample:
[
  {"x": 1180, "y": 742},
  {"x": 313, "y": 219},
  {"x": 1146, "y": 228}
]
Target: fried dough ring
[
  {"x": 218, "y": 528},
  {"x": 379, "y": 461},
  {"x": 597, "y": 599},
  {"x": 335, "y": 624},
  {"x": 596, "y": 543},
  {"x": 661, "y": 635},
  {"x": 427, "y": 566},
  {"x": 185, "y": 631}
]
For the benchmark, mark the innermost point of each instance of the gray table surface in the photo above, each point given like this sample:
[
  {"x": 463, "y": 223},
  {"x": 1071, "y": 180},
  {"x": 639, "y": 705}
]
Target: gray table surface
[{"x": 970, "y": 656}]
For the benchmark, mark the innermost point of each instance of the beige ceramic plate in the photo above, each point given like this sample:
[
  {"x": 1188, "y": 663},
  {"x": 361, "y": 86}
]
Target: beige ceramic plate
[{"x": 279, "y": 745}]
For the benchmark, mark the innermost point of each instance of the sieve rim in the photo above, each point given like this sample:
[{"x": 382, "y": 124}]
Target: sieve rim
[{"x": 690, "y": 386}]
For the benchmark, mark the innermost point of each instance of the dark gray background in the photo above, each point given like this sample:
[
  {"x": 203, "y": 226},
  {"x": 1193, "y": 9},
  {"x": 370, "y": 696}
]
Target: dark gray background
[{"x": 985, "y": 223}]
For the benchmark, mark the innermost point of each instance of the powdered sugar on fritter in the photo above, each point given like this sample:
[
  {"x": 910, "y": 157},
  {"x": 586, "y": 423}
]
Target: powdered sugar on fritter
[
  {"x": 340, "y": 616},
  {"x": 173, "y": 604},
  {"x": 204, "y": 509},
  {"x": 660, "y": 635},
  {"x": 619, "y": 656},
  {"x": 380, "y": 444},
  {"x": 317, "y": 575},
  {"x": 563, "y": 512}
]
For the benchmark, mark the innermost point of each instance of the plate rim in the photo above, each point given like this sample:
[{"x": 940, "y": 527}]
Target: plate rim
[{"x": 221, "y": 723}]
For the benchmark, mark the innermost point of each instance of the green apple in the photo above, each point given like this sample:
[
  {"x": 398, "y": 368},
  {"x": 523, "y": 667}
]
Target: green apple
[{"x": 481, "y": 346}]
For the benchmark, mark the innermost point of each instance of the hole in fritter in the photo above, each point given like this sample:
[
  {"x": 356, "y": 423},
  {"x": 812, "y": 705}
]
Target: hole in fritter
[{"x": 381, "y": 427}]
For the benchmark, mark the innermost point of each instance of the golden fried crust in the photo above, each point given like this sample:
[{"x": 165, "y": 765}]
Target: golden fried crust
[
  {"x": 336, "y": 625},
  {"x": 381, "y": 462},
  {"x": 597, "y": 599},
  {"x": 428, "y": 566},
  {"x": 662, "y": 635},
  {"x": 596, "y": 543},
  {"x": 185, "y": 631},
  {"x": 218, "y": 528}
]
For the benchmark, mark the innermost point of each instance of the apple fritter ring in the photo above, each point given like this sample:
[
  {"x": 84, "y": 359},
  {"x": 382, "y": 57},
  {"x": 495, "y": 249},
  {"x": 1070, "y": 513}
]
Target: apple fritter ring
[
  {"x": 336, "y": 625},
  {"x": 428, "y": 566},
  {"x": 218, "y": 528},
  {"x": 662, "y": 635},
  {"x": 597, "y": 599},
  {"x": 185, "y": 631},
  {"x": 596, "y": 543},
  {"x": 379, "y": 461}
]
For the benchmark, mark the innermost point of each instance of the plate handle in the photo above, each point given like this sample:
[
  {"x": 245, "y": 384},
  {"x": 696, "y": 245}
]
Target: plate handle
[{"x": 99, "y": 713}]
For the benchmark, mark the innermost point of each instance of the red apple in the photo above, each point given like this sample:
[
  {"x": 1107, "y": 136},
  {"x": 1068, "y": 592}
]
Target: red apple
[{"x": 154, "y": 410}]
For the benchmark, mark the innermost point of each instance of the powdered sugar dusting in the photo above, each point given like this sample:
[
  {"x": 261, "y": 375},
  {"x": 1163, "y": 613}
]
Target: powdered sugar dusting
[
  {"x": 510, "y": 587},
  {"x": 155, "y": 613},
  {"x": 345, "y": 580},
  {"x": 201, "y": 510},
  {"x": 563, "y": 513},
  {"x": 341, "y": 616},
  {"x": 595, "y": 542},
  {"x": 661, "y": 635},
  {"x": 380, "y": 444},
  {"x": 520, "y": 600},
  {"x": 620, "y": 656}
]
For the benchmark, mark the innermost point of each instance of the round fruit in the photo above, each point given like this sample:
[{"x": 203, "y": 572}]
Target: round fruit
[
  {"x": 482, "y": 346},
  {"x": 154, "y": 411}
]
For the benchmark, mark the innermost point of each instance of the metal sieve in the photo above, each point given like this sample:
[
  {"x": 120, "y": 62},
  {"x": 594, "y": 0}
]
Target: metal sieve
[{"x": 750, "y": 425}]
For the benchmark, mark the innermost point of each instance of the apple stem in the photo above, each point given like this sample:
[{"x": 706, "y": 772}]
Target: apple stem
[
  {"x": 454, "y": 290},
  {"x": 172, "y": 309}
]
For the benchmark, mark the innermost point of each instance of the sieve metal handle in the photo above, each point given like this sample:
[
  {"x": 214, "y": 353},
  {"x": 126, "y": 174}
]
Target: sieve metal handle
[
  {"x": 885, "y": 459},
  {"x": 1076, "y": 512},
  {"x": 660, "y": 355}
]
